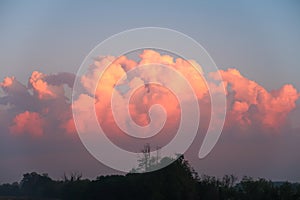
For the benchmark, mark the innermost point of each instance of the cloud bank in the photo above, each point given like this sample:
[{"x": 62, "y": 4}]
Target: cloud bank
[
  {"x": 37, "y": 126},
  {"x": 40, "y": 105},
  {"x": 43, "y": 102}
]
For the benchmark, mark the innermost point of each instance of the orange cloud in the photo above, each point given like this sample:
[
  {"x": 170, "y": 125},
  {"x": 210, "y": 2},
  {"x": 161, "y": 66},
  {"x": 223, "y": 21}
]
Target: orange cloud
[
  {"x": 42, "y": 88},
  {"x": 151, "y": 56},
  {"x": 253, "y": 103},
  {"x": 146, "y": 96},
  {"x": 28, "y": 122},
  {"x": 143, "y": 98},
  {"x": 249, "y": 103},
  {"x": 34, "y": 98},
  {"x": 8, "y": 81},
  {"x": 69, "y": 126}
]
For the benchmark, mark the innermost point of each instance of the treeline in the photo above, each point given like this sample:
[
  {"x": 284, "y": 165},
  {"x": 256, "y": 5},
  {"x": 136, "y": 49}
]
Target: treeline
[{"x": 177, "y": 181}]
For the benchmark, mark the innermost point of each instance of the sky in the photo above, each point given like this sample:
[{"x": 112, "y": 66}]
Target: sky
[{"x": 260, "y": 40}]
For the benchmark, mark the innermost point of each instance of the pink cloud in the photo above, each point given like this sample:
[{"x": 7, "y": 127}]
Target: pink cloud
[
  {"x": 28, "y": 122},
  {"x": 249, "y": 104},
  {"x": 253, "y": 103}
]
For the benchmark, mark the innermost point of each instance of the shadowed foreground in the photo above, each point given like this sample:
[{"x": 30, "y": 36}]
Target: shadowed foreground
[{"x": 177, "y": 181}]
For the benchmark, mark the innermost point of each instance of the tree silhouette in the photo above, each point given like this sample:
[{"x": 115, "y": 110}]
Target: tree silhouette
[
  {"x": 177, "y": 181},
  {"x": 36, "y": 185}
]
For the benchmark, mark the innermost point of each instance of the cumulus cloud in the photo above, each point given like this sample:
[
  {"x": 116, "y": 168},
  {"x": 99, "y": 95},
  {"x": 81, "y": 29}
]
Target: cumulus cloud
[
  {"x": 249, "y": 104},
  {"x": 28, "y": 122},
  {"x": 44, "y": 104},
  {"x": 252, "y": 105},
  {"x": 8, "y": 81},
  {"x": 145, "y": 96},
  {"x": 42, "y": 89},
  {"x": 41, "y": 105},
  {"x": 42, "y": 110}
]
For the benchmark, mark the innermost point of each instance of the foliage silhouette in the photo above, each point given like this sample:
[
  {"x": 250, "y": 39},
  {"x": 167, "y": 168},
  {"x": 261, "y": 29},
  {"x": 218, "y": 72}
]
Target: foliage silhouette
[{"x": 178, "y": 181}]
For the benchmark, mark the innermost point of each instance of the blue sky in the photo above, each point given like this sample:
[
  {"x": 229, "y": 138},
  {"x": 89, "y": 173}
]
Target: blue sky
[{"x": 260, "y": 38}]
